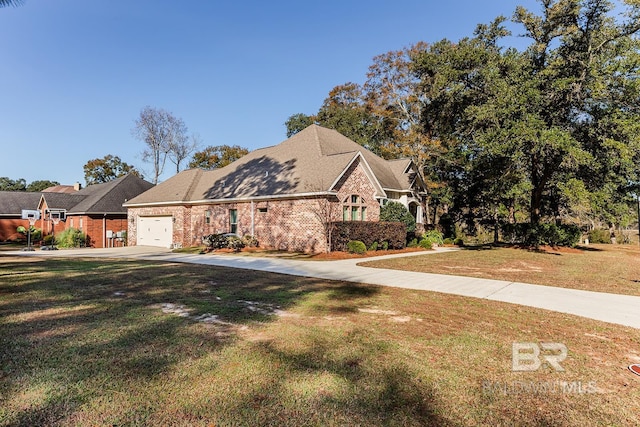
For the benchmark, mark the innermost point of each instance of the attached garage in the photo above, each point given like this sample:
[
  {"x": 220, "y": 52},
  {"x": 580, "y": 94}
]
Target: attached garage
[{"x": 155, "y": 231}]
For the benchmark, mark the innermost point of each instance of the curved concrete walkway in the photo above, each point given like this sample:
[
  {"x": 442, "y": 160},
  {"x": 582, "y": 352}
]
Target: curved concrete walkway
[{"x": 612, "y": 308}]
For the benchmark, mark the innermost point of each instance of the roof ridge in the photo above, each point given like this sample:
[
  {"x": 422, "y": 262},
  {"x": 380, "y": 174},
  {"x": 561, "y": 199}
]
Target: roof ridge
[
  {"x": 316, "y": 139},
  {"x": 193, "y": 184}
]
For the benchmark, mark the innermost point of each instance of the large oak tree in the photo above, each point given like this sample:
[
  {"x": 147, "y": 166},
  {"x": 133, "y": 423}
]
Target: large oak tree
[
  {"x": 217, "y": 156},
  {"x": 108, "y": 168}
]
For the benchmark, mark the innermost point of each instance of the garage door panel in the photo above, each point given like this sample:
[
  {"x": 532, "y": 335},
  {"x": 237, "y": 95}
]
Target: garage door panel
[{"x": 155, "y": 231}]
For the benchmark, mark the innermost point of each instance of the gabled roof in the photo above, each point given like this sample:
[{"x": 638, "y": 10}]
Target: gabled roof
[
  {"x": 13, "y": 202},
  {"x": 94, "y": 199},
  {"x": 69, "y": 189},
  {"x": 310, "y": 162},
  {"x": 59, "y": 200},
  {"x": 404, "y": 171},
  {"x": 109, "y": 196}
]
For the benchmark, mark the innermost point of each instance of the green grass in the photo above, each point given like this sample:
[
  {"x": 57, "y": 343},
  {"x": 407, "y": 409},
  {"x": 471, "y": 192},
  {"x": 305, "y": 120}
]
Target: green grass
[
  {"x": 86, "y": 342},
  {"x": 599, "y": 268},
  {"x": 12, "y": 246}
]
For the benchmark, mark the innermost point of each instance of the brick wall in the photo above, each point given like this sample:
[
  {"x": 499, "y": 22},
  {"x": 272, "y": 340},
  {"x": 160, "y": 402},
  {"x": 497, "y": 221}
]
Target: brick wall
[
  {"x": 8, "y": 228},
  {"x": 356, "y": 182},
  {"x": 95, "y": 228},
  {"x": 294, "y": 225},
  {"x": 92, "y": 226},
  {"x": 175, "y": 211}
]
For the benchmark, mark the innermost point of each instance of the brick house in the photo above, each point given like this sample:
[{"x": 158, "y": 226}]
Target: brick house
[
  {"x": 282, "y": 195},
  {"x": 11, "y": 205},
  {"x": 96, "y": 209}
]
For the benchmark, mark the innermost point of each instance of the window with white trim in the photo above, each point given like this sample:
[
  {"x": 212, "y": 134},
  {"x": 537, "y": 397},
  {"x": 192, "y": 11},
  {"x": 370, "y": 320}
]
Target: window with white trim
[
  {"x": 233, "y": 221},
  {"x": 354, "y": 208}
]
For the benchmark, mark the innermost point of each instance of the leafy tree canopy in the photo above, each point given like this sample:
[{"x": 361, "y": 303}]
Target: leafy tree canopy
[
  {"x": 106, "y": 169},
  {"x": 548, "y": 133},
  {"x": 8, "y": 184},
  {"x": 217, "y": 156},
  {"x": 36, "y": 186}
]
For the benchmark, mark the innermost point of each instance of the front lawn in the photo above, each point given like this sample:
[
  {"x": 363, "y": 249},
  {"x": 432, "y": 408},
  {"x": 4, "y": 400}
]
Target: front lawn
[
  {"x": 116, "y": 342},
  {"x": 600, "y": 268}
]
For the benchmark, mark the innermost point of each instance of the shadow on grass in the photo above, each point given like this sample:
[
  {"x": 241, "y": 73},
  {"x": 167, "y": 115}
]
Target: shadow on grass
[
  {"x": 539, "y": 249},
  {"x": 589, "y": 248},
  {"x": 486, "y": 247},
  {"x": 100, "y": 324},
  {"x": 361, "y": 385}
]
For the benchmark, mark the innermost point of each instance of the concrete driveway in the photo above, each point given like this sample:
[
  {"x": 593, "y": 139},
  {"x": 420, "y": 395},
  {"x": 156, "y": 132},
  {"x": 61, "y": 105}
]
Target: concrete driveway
[{"x": 612, "y": 308}]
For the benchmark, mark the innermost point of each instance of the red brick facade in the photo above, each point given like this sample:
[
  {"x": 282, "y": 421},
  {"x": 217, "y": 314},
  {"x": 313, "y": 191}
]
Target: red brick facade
[
  {"x": 94, "y": 228},
  {"x": 294, "y": 224},
  {"x": 8, "y": 227}
]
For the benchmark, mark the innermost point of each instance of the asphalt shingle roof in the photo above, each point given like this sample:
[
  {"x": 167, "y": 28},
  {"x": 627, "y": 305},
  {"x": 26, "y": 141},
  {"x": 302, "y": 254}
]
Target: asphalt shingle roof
[
  {"x": 310, "y": 161},
  {"x": 109, "y": 196},
  {"x": 13, "y": 202},
  {"x": 94, "y": 199}
]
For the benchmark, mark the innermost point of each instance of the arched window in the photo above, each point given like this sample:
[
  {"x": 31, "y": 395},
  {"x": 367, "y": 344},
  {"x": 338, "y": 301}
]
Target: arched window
[{"x": 354, "y": 208}]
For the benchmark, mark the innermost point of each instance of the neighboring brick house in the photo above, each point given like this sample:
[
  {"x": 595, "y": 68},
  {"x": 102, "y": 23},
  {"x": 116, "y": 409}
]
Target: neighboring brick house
[
  {"x": 282, "y": 195},
  {"x": 11, "y": 205},
  {"x": 13, "y": 202},
  {"x": 96, "y": 209}
]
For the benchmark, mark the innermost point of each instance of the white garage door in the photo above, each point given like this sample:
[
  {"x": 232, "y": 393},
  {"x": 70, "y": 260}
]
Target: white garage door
[{"x": 155, "y": 231}]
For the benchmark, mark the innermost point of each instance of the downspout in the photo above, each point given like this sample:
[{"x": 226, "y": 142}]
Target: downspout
[{"x": 104, "y": 230}]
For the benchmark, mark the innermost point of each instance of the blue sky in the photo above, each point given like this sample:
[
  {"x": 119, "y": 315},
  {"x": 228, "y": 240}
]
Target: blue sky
[{"x": 74, "y": 74}]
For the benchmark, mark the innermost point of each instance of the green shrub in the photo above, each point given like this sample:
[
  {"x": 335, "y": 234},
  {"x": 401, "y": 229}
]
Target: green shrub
[
  {"x": 250, "y": 241},
  {"x": 48, "y": 239},
  {"x": 541, "y": 234},
  {"x": 397, "y": 212},
  {"x": 373, "y": 247},
  {"x": 367, "y": 232},
  {"x": 385, "y": 245},
  {"x": 215, "y": 241},
  {"x": 356, "y": 247},
  {"x": 599, "y": 236},
  {"x": 571, "y": 235},
  {"x": 36, "y": 233},
  {"x": 235, "y": 243},
  {"x": 413, "y": 243},
  {"x": 458, "y": 242},
  {"x": 434, "y": 235},
  {"x": 225, "y": 241},
  {"x": 426, "y": 243},
  {"x": 447, "y": 241},
  {"x": 70, "y": 238}
]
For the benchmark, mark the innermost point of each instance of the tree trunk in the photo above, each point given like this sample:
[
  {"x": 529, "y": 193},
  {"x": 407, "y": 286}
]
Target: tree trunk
[{"x": 536, "y": 203}]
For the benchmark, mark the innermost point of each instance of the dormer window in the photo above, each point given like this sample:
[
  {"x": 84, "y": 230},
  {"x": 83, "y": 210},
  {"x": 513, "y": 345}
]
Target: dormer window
[{"x": 354, "y": 208}]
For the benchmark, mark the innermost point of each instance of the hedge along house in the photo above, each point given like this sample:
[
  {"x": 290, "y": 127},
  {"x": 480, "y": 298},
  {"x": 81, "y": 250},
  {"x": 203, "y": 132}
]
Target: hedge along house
[
  {"x": 95, "y": 210},
  {"x": 282, "y": 195}
]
